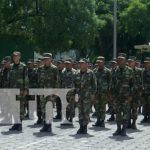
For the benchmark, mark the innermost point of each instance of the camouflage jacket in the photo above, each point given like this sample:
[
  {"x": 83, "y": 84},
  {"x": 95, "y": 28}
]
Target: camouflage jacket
[
  {"x": 48, "y": 77},
  {"x": 67, "y": 78},
  {"x": 103, "y": 79},
  {"x": 137, "y": 80},
  {"x": 124, "y": 80},
  {"x": 33, "y": 78},
  {"x": 6, "y": 78},
  {"x": 18, "y": 76},
  {"x": 85, "y": 83},
  {"x": 146, "y": 80}
]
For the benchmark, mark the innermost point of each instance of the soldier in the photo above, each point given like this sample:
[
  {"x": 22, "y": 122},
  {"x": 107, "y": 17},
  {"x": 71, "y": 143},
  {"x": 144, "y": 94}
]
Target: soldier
[
  {"x": 49, "y": 78},
  {"x": 146, "y": 91},
  {"x": 103, "y": 81},
  {"x": 60, "y": 66},
  {"x": 18, "y": 79},
  {"x": 6, "y": 72},
  {"x": 123, "y": 92},
  {"x": 111, "y": 96},
  {"x": 67, "y": 81},
  {"x": 85, "y": 85},
  {"x": 137, "y": 88},
  {"x": 1, "y": 72}
]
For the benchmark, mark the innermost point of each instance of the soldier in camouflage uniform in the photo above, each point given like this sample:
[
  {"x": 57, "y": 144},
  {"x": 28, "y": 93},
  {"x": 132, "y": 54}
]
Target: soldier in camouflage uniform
[
  {"x": 111, "y": 96},
  {"x": 1, "y": 72},
  {"x": 6, "y": 73},
  {"x": 103, "y": 81},
  {"x": 19, "y": 79},
  {"x": 85, "y": 85},
  {"x": 67, "y": 81},
  {"x": 123, "y": 91},
  {"x": 146, "y": 91},
  {"x": 137, "y": 87},
  {"x": 49, "y": 79},
  {"x": 60, "y": 66}
]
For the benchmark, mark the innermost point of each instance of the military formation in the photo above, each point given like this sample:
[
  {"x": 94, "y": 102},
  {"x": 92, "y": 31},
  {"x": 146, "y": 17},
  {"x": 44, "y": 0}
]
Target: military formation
[{"x": 124, "y": 86}]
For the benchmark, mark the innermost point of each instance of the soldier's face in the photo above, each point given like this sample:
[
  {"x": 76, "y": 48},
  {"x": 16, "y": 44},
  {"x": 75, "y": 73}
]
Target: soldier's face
[
  {"x": 16, "y": 58},
  {"x": 83, "y": 65},
  {"x": 131, "y": 64},
  {"x": 101, "y": 64},
  {"x": 68, "y": 66},
  {"x": 121, "y": 62},
  {"x": 138, "y": 64},
  {"x": 7, "y": 64},
  {"x": 47, "y": 61}
]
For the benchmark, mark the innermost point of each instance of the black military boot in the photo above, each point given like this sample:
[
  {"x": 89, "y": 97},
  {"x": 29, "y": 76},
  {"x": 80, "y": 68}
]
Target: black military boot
[
  {"x": 144, "y": 120},
  {"x": 85, "y": 129},
  {"x": 81, "y": 129},
  {"x": 102, "y": 123},
  {"x": 133, "y": 126},
  {"x": 58, "y": 116},
  {"x": 118, "y": 131},
  {"x": 129, "y": 124},
  {"x": 46, "y": 128},
  {"x": 112, "y": 118},
  {"x": 39, "y": 121},
  {"x": 16, "y": 127},
  {"x": 94, "y": 114},
  {"x": 98, "y": 123},
  {"x": 123, "y": 131}
]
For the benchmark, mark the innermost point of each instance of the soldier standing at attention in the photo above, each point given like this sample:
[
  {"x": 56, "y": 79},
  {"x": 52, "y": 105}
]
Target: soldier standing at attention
[
  {"x": 67, "y": 81},
  {"x": 85, "y": 85},
  {"x": 19, "y": 79},
  {"x": 103, "y": 81},
  {"x": 49, "y": 78},
  {"x": 146, "y": 91},
  {"x": 123, "y": 91},
  {"x": 137, "y": 88}
]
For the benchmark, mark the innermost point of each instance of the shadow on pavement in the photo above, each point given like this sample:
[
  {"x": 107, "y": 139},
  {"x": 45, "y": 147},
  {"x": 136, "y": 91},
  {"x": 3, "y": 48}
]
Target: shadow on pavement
[
  {"x": 79, "y": 136},
  {"x": 11, "y": 132},
  {"x": 99, "y": 128},
  {"x": 133, "y": 130},
  {"x": 121, "y": 138},
  {"x": 65, "y": 127},
  {"x": 43, "y": 134},
  {"x": 35, "y": 126}
]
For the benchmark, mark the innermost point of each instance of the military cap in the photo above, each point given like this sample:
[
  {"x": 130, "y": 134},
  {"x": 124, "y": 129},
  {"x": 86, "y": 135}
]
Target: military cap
[
  {"x": 7, "y": 58},
  {"x": 83, "y": 60},
  {"x": 2, "y": 62},
  {"x": 132, "y": 58},
  {"x": 68, "y": 61},
  {"x": 99, "y": 61},
  {"x": 101, "y": 58},
  {"x": 16, "y": 53},
  {"x": 122, "y": 56},
  {"x": 47, "y": 55},
  {"x": 114, "y": 61},
  {"x": 147, "y": 59}
]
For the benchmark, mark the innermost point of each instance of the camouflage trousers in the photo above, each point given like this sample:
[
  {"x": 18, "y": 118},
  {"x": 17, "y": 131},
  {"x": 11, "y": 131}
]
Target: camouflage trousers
[
  {"x": 146, "y": 104},
  {"x": 84, "y": 106},
  {"x": 134, "y": 104},
  {"x": 70, "y": 110},
  {"x": 122, "y": 110},
  {"x": 100, "y": 105}
]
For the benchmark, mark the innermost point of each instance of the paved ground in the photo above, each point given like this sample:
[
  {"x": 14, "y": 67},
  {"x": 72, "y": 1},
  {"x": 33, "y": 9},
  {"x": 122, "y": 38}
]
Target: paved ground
[{"x": 66, "y": 139}]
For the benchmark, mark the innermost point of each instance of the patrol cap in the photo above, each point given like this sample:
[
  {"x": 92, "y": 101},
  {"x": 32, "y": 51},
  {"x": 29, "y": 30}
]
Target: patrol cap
[
  {"x": 99, "y": 61},
  {"x": 114, "y": 61},
  {"x": 83, "y": 60},
  {"x": 122, "y": 56},
  {"x": 16, "y": 53},
  {"x": 7, "y": 58},
  {"x": 147, "y": 60},
  {"x": 132, "y": 58},
  {"x": 101, "y": 58},
  {"x": 68, "y": 61},
  {"x": 3, "y": 62},
  {"x": 47, "y": 55}
]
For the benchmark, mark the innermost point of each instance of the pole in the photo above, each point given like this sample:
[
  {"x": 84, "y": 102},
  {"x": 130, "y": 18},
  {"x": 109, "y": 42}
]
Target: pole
[{"x": 115, "y": 30}]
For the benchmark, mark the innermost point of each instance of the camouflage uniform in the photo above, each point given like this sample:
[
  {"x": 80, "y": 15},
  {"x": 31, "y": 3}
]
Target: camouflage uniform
[
  {"x": 123, "y": 89},
  {"x": 103, "y": 82},
  {"x": 134, "y": 104},
  {"x": 67, "y": 81},
  {"x": 85, "y": 84},
  {"x": 146, "y": 95},
  {"x": 19, "y": 79}
]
